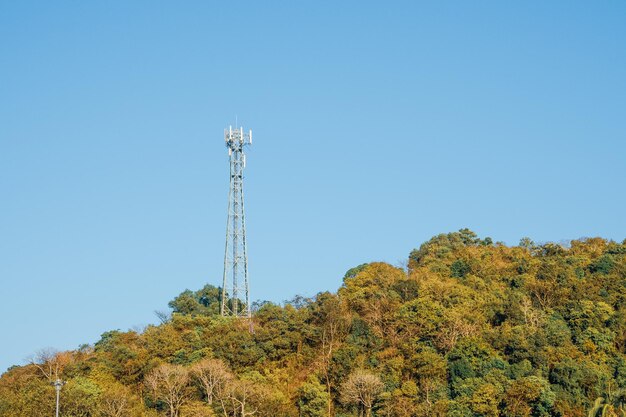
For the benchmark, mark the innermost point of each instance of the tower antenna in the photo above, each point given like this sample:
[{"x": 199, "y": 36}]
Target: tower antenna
[{"x": 235, "y": 288}]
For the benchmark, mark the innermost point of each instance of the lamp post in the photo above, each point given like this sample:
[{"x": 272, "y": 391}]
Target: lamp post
[{"x": 57, "y": 386}]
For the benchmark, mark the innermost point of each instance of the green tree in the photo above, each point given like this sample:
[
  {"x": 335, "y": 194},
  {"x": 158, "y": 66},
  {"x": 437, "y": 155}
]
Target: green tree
[
  {"x": 205, "y": 301},
  {"x": 313, "y": 398},
  {"x": 80, "y": 398}
]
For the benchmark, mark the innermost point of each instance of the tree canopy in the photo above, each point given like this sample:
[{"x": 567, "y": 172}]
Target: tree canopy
[{"x": 471, "y": 328}]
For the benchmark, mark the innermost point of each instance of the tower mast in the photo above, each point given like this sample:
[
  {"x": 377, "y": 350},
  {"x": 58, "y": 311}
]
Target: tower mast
[{"x": 235, "y": 289}]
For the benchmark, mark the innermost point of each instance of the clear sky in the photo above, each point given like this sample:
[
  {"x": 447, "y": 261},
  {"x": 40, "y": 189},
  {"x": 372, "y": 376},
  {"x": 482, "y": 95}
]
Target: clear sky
[{"x": 376, "y": 126}]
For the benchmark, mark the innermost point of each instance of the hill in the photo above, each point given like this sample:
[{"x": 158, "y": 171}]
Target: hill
[{"x": 470, "y": 328}]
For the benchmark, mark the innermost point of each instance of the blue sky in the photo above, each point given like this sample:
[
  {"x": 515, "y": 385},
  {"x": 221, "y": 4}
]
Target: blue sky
[{"x": 375, "y": 127}]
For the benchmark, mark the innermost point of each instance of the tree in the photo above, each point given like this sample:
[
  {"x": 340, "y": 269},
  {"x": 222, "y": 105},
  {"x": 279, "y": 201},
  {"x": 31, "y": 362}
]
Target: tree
[
  {"x": 313, "y": 399},
  {"x": 50, "y": 362},
  {"x": 239, "y": 398},
  {"x": 329, "y": 314},
  {"x": 197, "y": 409},
  {"x": 602, "y": 408},
  {"x": 169, "y": 384},
  {"x": 521, "y": 394},
  {"x": 485, "y": 400},
  {"x": 205, "y": 301},
  {"x": 24, "y": 392},
  {"x": 244, "y": 396},
  {"x": 400, "y": 402},
  {"x": 371, "y": 293},
  {"x": 212, "y": 375},
  {"x": 361, "y": 389},
  {"x": 114, "y": 401},
  {"x": 430, "y": 369},
  {"x": 80, "y": 398}
]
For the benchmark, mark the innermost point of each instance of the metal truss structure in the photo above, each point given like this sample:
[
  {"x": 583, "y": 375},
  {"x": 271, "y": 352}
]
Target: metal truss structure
[{"x": 235, "y": 288}]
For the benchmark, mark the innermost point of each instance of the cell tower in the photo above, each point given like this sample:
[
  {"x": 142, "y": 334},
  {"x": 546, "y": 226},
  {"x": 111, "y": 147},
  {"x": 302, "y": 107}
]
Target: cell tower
[{"x": 235, "y": 290}]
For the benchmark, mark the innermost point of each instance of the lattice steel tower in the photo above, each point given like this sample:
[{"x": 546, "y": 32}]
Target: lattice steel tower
[{"x": 235, "y": 290}]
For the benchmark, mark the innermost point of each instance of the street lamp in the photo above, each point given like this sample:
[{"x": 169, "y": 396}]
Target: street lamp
[{"x": 57, "y": 386}]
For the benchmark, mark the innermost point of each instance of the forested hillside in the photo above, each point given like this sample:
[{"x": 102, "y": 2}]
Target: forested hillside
[{"x": 470, "y": 328}]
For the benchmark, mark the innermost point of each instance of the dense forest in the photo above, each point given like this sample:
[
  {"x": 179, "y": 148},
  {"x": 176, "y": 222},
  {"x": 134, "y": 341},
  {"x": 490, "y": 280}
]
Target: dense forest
[{"x": 468, "y": 328}]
